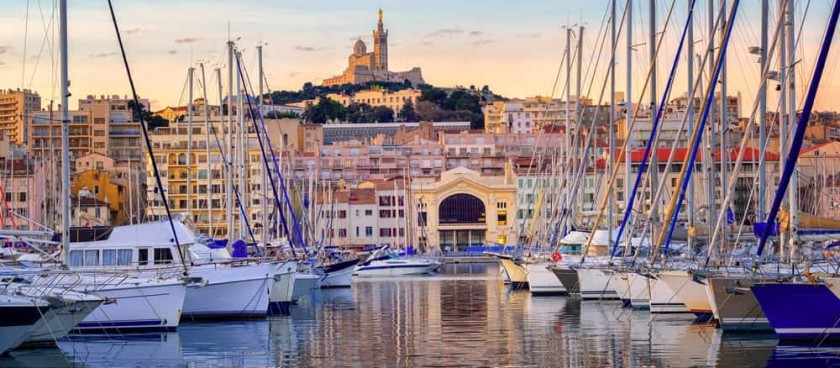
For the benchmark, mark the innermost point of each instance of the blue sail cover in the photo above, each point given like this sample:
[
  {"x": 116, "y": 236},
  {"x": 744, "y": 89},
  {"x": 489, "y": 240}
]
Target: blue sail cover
[{"x": 240, "y": 249}]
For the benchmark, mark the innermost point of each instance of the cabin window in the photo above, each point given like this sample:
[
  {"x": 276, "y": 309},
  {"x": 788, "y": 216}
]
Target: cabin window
[
  {"x": 91, "y": 258},
  {"x": 124, "y": 257},
  {"x": 109, "y": 257},
  {"x": 143, "y": 257},
  {"x": 76, "y": 258},
  {"x": 163, "y": 256}
]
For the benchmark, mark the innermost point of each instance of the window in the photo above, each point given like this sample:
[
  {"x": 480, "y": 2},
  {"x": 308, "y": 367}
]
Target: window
[
  {"x": 342, "y": 233},
  {"x": 357, "y": 231},
  {"x": 368, "y": 212},
  {"x": 369, "y": 231},
  {"x": 421, "y": 218},
  {"x": 502, "y": 217},
  {"x": 163, "y": 256},
  {"x": 385, "y": 232},
  {"x": 123, "y": 257},
  {"x": 96, "y": 190},
  {"x": 8, "y": 197},
  {"x": 143, "y": 256},
  {"x": 109, "y": 257},
  {"x": 91, "y": 258},
  {"x": 384, "y": 213},
  {"x": 342, "y": 214},
  {"x": 501, "y": 205},
  {"x": 76, "y": 258}
]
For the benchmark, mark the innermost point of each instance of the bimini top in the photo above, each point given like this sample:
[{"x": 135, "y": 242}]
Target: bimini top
[
  {"x": 149, "y": 234},
  {"x": 581, "y": 237}
]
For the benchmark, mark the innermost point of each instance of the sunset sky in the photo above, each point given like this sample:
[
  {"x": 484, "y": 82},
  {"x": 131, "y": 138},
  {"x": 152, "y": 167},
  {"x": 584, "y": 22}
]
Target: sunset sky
[{"x": 515, "y": 47}]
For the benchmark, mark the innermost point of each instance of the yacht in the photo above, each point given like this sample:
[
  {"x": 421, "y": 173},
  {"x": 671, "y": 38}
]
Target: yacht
[
  {"x": 19, "y": 316},
  {"x": 220, "y": 286},
  {"x": 385, "y": 262}
]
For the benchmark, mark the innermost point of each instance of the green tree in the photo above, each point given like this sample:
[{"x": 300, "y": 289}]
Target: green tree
[
  {"x": 382, "y": 114},
  {"x": 325, "y": 110},
  {"x": 434, "y": 95},
  {"x": 407, "y": 112},
  {"x": 140, "y": 113},
  {"x": 281, "y": 115}
]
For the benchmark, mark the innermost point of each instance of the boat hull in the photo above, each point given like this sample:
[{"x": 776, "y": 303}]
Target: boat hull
[
  {"x": 663, "y": 299},
  {"x": 595, "y": 284},
  {"x": 639, "y": 286},
  {"x": 229, "y": 291},
  {"x": 138, "y": 305},
  {"x": 568, "y": 278},
  {"x": 337, "y": 275},
  {"x": 691, "y": 291},
  {"x": 801, "y": 311},
  {"x": 395, "y": 268},
  {"x": 622, "y": 288},
  {"x": 733, "y": 304},
  {"x": 516, "y": 272},
  {"x": 541, "y": 281},
  {"x": 17, "y": 322},
  {"x": 283, "y": 287},
  {"x": 59, "y": 321}
]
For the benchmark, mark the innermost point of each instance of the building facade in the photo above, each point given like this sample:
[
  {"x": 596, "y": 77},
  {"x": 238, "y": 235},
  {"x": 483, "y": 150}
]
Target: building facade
[{"x": 15, "y": 106}]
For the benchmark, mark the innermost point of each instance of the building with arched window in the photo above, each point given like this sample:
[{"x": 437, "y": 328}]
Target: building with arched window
[{"x": 462, "y": 208}]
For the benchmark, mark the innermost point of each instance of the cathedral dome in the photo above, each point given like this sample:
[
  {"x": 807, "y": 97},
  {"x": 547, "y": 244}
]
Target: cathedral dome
[{"x": 359, "y": 48}]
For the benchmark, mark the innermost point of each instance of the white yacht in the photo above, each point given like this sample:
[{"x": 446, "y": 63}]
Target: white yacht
[
  {"x": 221, "y": 286},
  {"x": 385, "y": 262},
  {"x": 18, "y": 316}
]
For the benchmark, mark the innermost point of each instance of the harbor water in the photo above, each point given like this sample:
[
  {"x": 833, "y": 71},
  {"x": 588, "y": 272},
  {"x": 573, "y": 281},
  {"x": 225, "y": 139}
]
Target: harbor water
[{"x": 463, "y": 316}]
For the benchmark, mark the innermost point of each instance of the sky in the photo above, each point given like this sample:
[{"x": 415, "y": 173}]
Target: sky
[{"x": 515, "y": 47}]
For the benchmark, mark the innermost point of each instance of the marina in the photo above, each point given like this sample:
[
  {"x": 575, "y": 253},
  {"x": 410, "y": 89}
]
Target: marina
[
  {"x": 688, "y": 220},
  {"x": 463, "y": 316}
]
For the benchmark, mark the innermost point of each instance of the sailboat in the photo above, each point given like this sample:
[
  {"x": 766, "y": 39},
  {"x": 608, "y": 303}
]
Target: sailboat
[{"x": 386, "y": 262}]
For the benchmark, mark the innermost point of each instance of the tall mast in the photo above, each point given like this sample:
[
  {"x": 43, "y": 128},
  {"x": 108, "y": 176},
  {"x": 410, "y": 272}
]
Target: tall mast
[
  {"x": 793, "y": 189},
  {"x": 628, "y": 117},
  {"x": 230, "y": 212},
  {"x": 654, "y": 162},
  {"x": 65, "y": 132},
  {"x": 709, "y": 145},
  {"x": 762, "y": 117},
  {"x": 780, "y": 114},
  {"x": 577, "y": 199},
  {"x": 724, "y": 123},
  {"x": 569, "y": 157},
  {"x": 209, "y": 176},
  {"x": 240, "y": 157},
  {"x": 265, "y": 171},
  {"x": 190, "y": 74},
  {"x": 690, "y": 112},
  {"x": 612, "y": 163}
]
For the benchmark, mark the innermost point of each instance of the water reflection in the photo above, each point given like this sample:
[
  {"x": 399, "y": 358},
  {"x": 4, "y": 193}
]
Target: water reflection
[{"x": 463, "y": 317}]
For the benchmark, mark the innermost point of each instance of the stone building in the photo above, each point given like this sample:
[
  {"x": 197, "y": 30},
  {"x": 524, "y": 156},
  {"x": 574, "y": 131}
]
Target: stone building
[{"x": 364, "y": 66}]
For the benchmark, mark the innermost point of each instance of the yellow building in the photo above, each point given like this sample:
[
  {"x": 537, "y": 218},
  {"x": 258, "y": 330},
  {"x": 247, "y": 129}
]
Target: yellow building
[
  {"x": 15, "y": 105},
  {"x": 172, "y": 114},
  {"x": 103, "y": 186},
  {"x": 463, "y": 208}
]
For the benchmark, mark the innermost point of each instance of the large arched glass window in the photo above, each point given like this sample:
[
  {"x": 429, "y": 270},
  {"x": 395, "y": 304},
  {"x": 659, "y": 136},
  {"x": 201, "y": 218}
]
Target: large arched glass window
[{"x": 462, "y": 209}]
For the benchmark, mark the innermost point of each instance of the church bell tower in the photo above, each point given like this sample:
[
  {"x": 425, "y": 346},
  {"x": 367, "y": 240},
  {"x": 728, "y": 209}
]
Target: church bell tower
[{"x": 380, "y": 45}]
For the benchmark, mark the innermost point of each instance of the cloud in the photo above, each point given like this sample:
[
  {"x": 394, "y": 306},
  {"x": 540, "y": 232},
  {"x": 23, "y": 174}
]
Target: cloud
[
  {"x": 132, "y": 31},
  {"x": 2, "y": 63},
  {"x": 476, "y": 33},
  {"x": 306, "y": 48},
  {"x": 99, "y": 55},
  {"x": 188, "y": 40},
  {"x": 482, "y": 42},
  {"x": 445, "y": 32},
  {"x": 530, "y": 35},
  {"x": 294, "y": 74},
  {"x": 4, "y": 49},
  {"x": 172, "y": 52},
  {"x": 426, "y": 43}
]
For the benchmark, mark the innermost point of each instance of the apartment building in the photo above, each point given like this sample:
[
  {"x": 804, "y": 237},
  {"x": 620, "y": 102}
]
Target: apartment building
[{"x": 15, "y": 107}]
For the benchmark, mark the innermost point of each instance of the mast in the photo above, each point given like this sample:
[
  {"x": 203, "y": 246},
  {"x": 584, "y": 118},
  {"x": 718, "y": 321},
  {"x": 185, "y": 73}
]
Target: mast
[
  {"x": 230, "y": 213},
  {"x": 190, "y": 74},
  {"x": 628, "y": 117},
  {"x": 654, "y": 162},
  {"x": 762, "y": 117},
  {"x": 207, "y": 151},
  {"x": 240, "y": 157},
  {"x": 724, "y": 123},
  {"x": 690, "y": 112},
  {"x": 65, "y": 132},
  {"x": 613, "y": 23},
  {"x": 265, "y": 171},
  {"x": 793, "y": 193},
  {"x": 709, "y": 144},
  {"x": 780, "y": 115},
  {"x": 577, "y": 199},
  {"x": 225, "y": 173},
  {"x": 568, "y": 122}
]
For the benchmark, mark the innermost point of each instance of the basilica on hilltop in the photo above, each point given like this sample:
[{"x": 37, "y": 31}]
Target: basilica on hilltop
[{"x": 364, "y": 66}]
